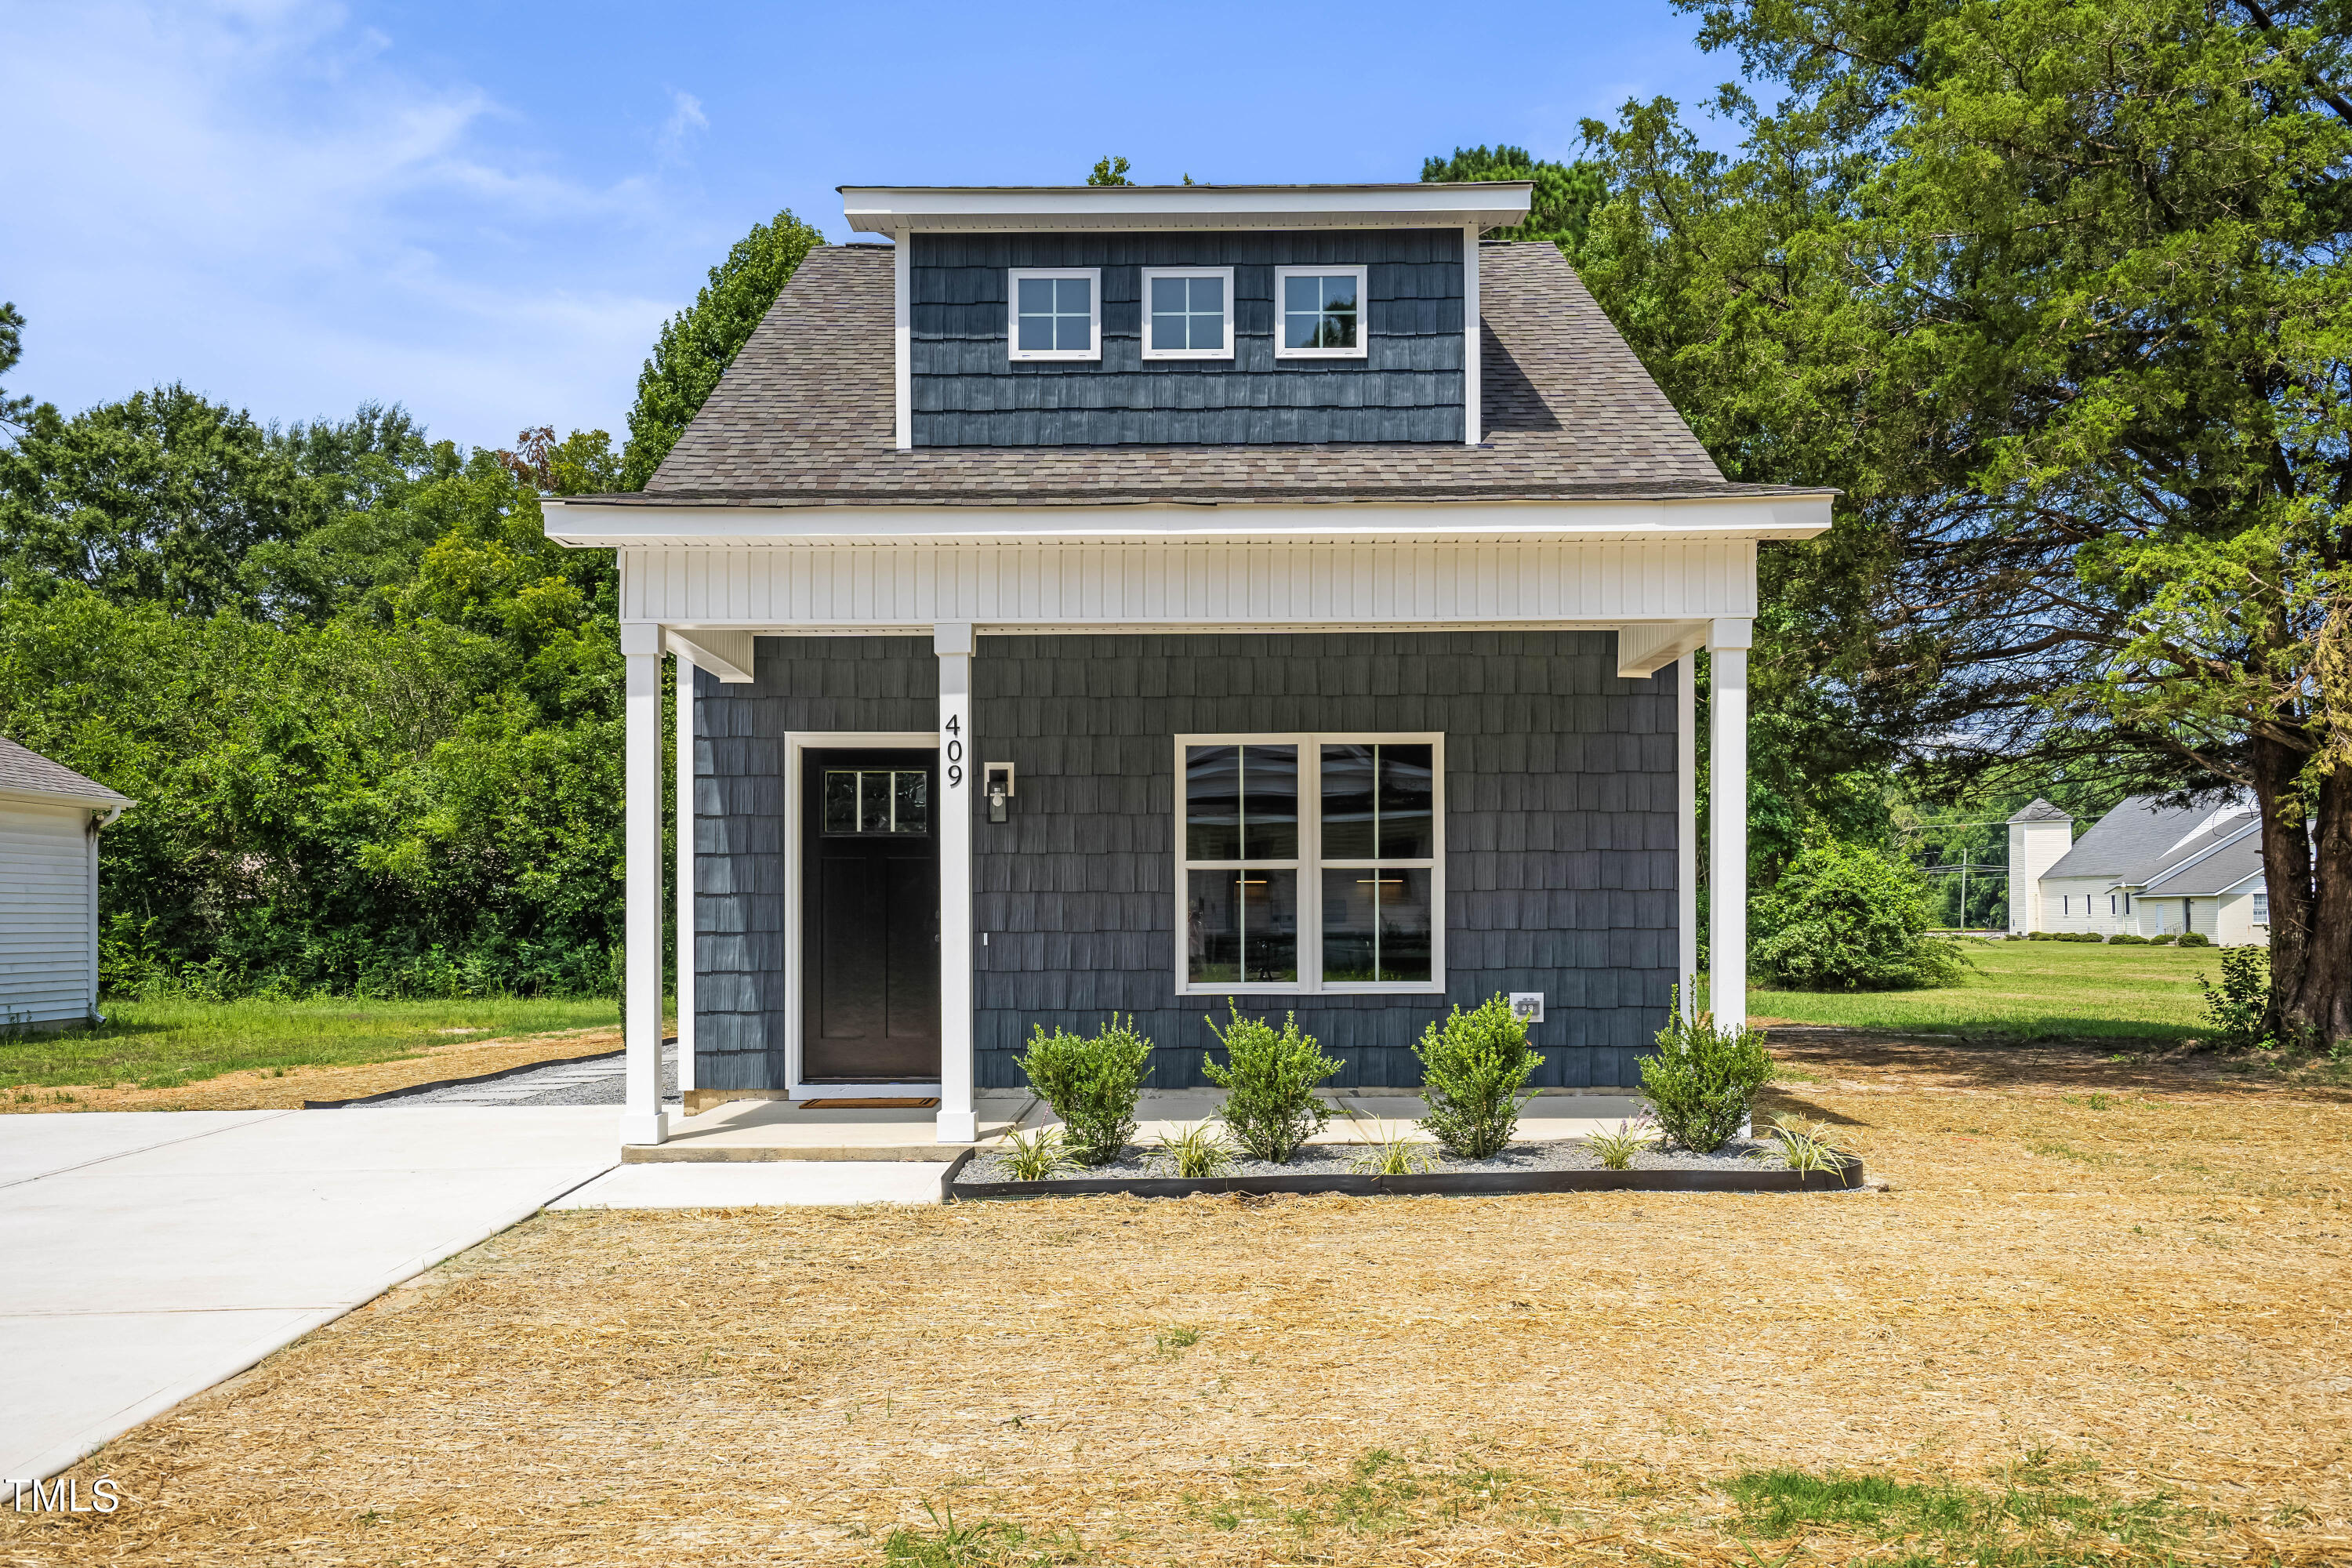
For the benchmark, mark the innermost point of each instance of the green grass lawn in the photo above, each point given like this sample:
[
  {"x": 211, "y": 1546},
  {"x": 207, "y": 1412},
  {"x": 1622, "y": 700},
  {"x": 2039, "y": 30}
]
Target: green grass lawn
[
  {"x": 2039, "y": 990},
  {"x": 164, "y": 1045}
]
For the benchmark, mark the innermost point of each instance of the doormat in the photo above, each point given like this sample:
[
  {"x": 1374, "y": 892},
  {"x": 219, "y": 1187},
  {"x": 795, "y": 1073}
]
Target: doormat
[{"x": 874, "y": 1104}]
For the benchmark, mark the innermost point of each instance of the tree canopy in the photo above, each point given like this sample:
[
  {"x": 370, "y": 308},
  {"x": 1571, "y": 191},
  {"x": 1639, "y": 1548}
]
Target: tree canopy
[{"x": 1565, "y": 197}]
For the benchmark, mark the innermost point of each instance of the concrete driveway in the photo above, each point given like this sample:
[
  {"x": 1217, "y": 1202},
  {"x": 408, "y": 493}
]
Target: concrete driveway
[{"x": 150, "y": 1254}]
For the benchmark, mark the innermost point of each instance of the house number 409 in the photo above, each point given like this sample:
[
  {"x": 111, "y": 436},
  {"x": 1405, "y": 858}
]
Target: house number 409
[{"x": 954, "y": 750}]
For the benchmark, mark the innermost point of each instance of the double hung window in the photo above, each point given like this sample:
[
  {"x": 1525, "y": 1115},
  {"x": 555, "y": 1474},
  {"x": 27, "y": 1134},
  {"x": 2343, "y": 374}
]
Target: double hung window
[
  {"x": 2262, "y": 908},
  {"x": 1320, "y": 313},
  {"x": 1310, "y": 863},
  {"x": 1056, "y": 312},
  {"x": 1188, "y": 312}
]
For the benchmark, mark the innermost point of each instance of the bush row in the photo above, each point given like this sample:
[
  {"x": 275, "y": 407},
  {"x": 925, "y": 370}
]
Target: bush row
[
  {"x": 2124, "y": 939},
  {"x": 1701, "y": 1085}
]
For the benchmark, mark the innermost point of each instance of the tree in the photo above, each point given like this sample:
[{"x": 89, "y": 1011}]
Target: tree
[
  {"x": 13, "y": 411},
  {"x": 1564, "y": 199},
  {"x": 1845, "y": 918},
  {"x": 2057, "y": 293},
  {"x": 698, "y": 345},
  {"x": 1112, "y": 171}
]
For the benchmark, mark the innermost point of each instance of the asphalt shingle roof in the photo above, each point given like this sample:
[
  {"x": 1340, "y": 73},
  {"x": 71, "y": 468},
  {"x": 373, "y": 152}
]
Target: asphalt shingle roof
[
  {"x": 805, "y": 415},
  {"x": 2139, "y": 839},
  {"x": 2217, "y": 873},
  {"x": 22, "y": 768},
  {"x": 2041, "y": 811}
]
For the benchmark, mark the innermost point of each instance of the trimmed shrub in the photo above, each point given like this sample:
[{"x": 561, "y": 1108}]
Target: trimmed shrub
[
  {"x": 1271, "y": 1107},
  {"x": 2195, "y": 939},
  {"x": 2037, "y": 936},
  {"x": 1473, "y": 1069},
  {"x": 1091, "y": 1084},
  {"x": 1846, "y": 917},
  {"x": 1702, "y": 1082},
  {"x": 2125, "y": 938},
  {"x": 2163, "y": 940}
]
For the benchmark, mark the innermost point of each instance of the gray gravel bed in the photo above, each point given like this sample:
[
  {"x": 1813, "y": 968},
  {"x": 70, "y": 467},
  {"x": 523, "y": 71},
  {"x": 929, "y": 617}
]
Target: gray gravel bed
[
  {"x": 1340, "y": 1158},
  {"x": 598, "y": 1082}
]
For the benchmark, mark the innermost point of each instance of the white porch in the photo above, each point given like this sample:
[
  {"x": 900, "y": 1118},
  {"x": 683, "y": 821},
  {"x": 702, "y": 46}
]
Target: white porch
[{"x": 699, "y": 584}]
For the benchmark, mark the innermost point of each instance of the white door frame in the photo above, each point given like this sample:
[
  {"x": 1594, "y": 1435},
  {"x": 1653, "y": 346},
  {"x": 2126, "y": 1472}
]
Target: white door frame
[{"x": 795, "y": 743}]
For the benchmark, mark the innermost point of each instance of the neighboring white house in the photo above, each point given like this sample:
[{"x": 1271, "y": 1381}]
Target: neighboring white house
[
  {"x": 49, "y": 818},
  {"x": 2144, "y": 870}
]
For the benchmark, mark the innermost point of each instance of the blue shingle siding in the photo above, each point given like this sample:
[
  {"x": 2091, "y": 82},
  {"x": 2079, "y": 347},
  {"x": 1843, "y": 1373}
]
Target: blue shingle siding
[
  {"x": 968, "y": 393},
  {"x": 1560, "y": 828},
  {"x": 1560, "y": 832}
]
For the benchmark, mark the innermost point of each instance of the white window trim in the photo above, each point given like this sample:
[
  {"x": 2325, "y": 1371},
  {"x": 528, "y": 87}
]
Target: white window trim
[
  {"x": 1227, "y": 273},
  {"x": 1363, "y": 276},
  {"x": 1012, "y": 277},
  {"x": 1309, "y": 866}
]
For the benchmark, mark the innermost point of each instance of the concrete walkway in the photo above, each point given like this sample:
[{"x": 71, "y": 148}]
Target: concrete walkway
[{"x": 151, "y": 1255}]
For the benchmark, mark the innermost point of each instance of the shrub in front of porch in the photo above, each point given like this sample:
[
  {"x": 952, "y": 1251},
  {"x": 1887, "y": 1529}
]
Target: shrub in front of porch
[
  {"x": 1702, "y": 1083},
  {"x": 1474, "y": 1068},
  {"x": 1271, "y": 1106},
  {"x": 1091, "y": 1084}
]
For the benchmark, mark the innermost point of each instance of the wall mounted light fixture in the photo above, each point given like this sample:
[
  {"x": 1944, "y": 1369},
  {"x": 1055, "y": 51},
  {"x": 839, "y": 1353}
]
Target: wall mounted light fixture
[{"x": 996, "y": 782}]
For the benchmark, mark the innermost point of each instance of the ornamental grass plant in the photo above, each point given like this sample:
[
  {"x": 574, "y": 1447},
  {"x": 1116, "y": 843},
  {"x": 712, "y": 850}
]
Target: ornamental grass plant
[
  {"x": 1474, "y": 1070},
  {"x": 1091, "y": 1083},
  {"x": 1270, "y": 1078}
]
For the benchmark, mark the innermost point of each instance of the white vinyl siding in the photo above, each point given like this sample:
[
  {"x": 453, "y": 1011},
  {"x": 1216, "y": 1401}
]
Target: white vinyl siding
[{"x": 44, "y": 913}]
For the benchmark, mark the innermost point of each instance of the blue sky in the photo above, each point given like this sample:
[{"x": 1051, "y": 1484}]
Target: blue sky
[{"x": 484, "y": 211}]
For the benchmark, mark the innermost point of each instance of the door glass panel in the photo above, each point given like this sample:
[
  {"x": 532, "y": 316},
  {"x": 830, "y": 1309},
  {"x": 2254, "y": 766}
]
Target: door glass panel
[
  {"x": 1213, "y": 803},
  {"x": 840, "y": 800},
  {"x": 874, "y": 801}
]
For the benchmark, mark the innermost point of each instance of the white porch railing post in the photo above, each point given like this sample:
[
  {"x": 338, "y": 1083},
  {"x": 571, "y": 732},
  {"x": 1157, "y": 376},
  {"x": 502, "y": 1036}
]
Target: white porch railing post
[
  {"x": 682, "y": 795},
  {"x": 953, "y": 641},
  {"x": 1687, "y": 839},
  {"x": 642, "y": 1119},
  {"x": 1727, "y": 643}
]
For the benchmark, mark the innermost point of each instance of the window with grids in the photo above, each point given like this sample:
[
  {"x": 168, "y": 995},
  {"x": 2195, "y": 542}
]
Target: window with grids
[
  {"x": 1311, "y": 863},
  {"x": 1320, "y": 313},
  {"x": 1188, "y": 312},
  {"x": 866, "y": 802},
  {"x": 1056, "y": 312},
  {"x": 2262, "y": 908}
]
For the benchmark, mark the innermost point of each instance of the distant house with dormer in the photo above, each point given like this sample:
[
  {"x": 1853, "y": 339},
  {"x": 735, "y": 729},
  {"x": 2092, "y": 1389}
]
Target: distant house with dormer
[{"x": 2143, "y": 870}]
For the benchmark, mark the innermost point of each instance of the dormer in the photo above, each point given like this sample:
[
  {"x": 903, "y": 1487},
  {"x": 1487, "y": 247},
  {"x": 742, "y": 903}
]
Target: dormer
[{"x": 1094, "y": 316}]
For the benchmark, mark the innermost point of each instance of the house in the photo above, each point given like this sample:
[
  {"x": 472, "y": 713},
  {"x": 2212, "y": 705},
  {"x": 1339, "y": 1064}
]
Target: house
[
  {"x": 49, "y": 818},
  {"x": 1120, "y": 599},
  {"x": 2143, "y": 870}
]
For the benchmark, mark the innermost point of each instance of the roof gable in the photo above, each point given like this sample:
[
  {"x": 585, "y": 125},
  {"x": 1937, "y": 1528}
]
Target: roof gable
[
  {"x": 24, "y": 771},
  {"x": 2141, "y": 840}
]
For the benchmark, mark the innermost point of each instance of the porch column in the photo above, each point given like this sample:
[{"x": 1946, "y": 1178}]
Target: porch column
[
  {"x": 951, "y": 640},
  {"x": 642, "y": 1120},
  {"x": 1687, "y": 839},
  {"x": 1727, "y": 644},
  {"x": 682, "y": 795}
]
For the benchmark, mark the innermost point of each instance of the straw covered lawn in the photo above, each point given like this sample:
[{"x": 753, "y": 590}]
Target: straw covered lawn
[{"x": 2100, "y": 1317}]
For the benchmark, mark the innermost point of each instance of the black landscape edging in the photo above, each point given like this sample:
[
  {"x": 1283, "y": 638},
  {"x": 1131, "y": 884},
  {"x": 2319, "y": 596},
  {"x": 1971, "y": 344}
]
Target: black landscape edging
[
  {"x": 1434, "y": 1182},
  {"x": 460, "y": 1082}
]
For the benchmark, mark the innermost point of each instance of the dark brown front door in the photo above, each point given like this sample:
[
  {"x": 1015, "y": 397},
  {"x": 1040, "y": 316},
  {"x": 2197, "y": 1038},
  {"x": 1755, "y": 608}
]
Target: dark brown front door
[{"x": 870, "y": 918}]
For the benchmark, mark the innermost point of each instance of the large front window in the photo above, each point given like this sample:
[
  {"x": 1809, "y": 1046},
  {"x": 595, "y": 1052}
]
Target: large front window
[{"x": 1311, "y": 862}]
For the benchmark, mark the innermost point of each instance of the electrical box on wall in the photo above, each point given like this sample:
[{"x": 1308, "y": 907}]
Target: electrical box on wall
[
  {"x": 996, "y": 784},
  {"x": 1527, "y": 1005}
]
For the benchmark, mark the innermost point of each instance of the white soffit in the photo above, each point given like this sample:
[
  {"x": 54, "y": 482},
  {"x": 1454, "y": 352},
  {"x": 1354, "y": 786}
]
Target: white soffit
[
  {"x": 905, "y": 209},
  {"x": 587, "y": 525}
]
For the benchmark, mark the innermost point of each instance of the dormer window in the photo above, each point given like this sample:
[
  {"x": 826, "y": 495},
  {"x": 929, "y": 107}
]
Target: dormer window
[
  {"x": 1056, "y": 312},
  {"x": 1188, "y": 312},
  {"x": 1322, "y": 310}
]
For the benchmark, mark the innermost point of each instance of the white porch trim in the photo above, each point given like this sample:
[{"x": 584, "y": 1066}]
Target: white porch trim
[
  {"x": 953, "y": 641},
  {"x": 1686, "y": 832},
  {"x": 643, "y": 1120},
  {"x": 682, "y": 824},
  {"x": 1727, "y": 641}
]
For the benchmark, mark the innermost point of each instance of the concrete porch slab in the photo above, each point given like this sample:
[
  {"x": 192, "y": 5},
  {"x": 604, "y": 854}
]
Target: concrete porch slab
[
  {"x": 757, "y": 1130},
  {"x": 770, "y": 1185}
]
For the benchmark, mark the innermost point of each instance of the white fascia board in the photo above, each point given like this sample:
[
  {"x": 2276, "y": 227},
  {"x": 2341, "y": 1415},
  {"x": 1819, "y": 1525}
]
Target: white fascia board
[
  {"x": 726, "y": 654},
  {"x": 587, "y": 525},
  {"x": 109, "y": 802},
  {"x": 903, "y": 209},
  {"x": 1644, "y": 648}
]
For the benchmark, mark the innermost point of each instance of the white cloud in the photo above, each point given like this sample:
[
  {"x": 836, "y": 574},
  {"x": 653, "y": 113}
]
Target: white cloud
[
  {"x": 686, "y": 114},
  {"x": 261, "y": 199}
]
